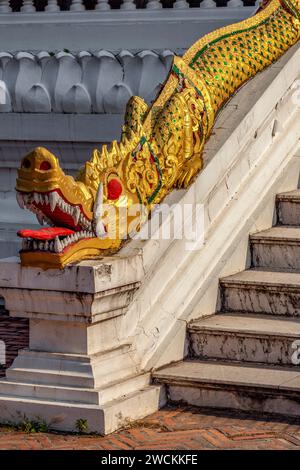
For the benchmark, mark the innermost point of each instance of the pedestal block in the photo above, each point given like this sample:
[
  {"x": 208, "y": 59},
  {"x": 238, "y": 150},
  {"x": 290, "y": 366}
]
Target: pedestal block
[{"x": 79, "y": 367}]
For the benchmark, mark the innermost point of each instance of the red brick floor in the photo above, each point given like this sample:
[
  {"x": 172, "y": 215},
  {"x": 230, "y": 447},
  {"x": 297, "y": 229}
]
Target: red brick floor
[{"x": 174, "y": 428}]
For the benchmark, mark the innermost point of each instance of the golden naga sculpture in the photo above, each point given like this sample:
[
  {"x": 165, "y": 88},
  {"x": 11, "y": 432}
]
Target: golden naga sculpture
[{"x": 160, "y": 149}]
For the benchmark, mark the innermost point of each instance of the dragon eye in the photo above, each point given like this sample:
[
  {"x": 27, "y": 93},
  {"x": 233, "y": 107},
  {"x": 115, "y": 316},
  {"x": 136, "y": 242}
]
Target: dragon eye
[
  {"x": 114, "y": 189},
  {"x": 26, "y": 163}
]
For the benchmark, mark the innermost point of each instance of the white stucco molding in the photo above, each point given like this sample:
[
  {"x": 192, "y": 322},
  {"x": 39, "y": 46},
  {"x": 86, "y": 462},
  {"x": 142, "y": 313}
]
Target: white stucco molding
[
  {"x": 167, "y": 28},
  {"x": 82, "y": 83}
]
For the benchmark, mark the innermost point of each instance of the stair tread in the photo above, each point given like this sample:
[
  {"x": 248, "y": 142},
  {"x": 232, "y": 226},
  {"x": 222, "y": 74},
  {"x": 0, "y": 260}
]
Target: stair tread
[
  {"x": 289, "y": 195},
  {"x": 264, "y": 278},
  {"x": 51, "y": 372},
  {"x": 5, "y": 381},
  {"x": 248, "y": 324},
  {"x": 280, "y": 233},
  {"x": 74, "y": 404},
  {"x": 196, "y": 372}
]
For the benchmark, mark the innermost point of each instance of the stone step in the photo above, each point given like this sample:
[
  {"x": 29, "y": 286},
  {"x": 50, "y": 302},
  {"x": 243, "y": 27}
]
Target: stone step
[
  {"x": 64, "y": 415},
  {"x": 246, "y": 338},
  {"x": 288, "y": 207},
  {"x": 267, "y": 292},
  {"x": 44, "y": 376},
  {"x": 264, "y": 389},
  {"x": 72, "y": 370},
  {"x": 74, "y": 394},
  {"x": 277, "y": 247},
  {"x": 49, "y": 392}
]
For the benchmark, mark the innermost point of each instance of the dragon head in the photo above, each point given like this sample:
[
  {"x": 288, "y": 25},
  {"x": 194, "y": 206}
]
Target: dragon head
[
  {"x": 84, "y": 215},
  {"x": 94, "y": 213}
]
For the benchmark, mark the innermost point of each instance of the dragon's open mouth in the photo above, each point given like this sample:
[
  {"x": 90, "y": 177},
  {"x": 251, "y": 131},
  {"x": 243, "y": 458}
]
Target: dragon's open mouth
[
  {"x": 68, "y": 223},
  {"x": 66, "y": 206}
]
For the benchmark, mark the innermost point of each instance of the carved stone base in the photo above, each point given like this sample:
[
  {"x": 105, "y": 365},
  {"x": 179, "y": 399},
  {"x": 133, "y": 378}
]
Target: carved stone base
[{"x": 78, "y": 366}]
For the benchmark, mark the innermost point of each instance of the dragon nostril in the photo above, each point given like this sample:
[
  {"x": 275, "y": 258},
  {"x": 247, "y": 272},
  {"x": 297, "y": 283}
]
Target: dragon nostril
[
  {"x": 45, "y": 166},
  {"x": 26, "y": 163}
]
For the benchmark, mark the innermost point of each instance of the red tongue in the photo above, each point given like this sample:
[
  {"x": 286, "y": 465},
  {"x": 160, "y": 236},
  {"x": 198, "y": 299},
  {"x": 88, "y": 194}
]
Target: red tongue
[{"x": 47, "y": 233}]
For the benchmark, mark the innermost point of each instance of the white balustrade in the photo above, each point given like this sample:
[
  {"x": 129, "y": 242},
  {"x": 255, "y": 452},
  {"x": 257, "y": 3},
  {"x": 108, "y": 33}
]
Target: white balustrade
[
  {"x": 128, "y": 5},
  {"x": 153, "y": 5},
  {"x": 28, "y": 7},
  {"x": 77, "y": 5},
  {"x": 181, "y": 4},
  {"x": 99, "y": 83},
  {"x": 235, "y": 4},
  {"x": 52, "y": 6},
  {"x": 4, "y": 6},
  {"x": 102, "y": 5},
  {"x": 208, "y": 4}
]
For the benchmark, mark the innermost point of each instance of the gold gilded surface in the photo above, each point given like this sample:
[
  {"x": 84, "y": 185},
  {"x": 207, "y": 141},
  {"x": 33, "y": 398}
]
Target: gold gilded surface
[{"x": 161, "y": 146}]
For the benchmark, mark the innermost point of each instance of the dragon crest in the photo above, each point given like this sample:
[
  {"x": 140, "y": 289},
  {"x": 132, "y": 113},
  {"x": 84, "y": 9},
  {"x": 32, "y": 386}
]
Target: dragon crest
[{"x": 160, "y": 148}]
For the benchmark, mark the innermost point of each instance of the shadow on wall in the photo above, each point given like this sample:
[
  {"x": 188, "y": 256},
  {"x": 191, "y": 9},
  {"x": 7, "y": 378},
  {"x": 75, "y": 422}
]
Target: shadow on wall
[
  {"x": 2, "y": 305},
  {"x": 14, "y": 335}
]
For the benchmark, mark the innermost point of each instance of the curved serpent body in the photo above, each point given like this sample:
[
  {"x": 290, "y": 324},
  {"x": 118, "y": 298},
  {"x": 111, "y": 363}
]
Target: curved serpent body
[{"x": 161, "y": 146}]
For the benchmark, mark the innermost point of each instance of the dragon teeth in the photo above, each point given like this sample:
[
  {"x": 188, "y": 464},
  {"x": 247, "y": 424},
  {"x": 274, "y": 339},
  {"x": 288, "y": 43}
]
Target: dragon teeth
[
  {"x": 57, "y": 245},
  {"x": 25, "y": 245},
  {"x": 40, "y": 218},
  {"x": 20, "y": 200},
  {"x": 76, "y": 215},
  {"x": 53, "y": 200},
  {"x": 26, "y": 199},
  {"x": 37, "y": 198}
]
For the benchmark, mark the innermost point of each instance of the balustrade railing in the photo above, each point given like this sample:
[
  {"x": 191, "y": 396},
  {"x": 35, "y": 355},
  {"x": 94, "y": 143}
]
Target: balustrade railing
[{"x": 50, "y": 6}]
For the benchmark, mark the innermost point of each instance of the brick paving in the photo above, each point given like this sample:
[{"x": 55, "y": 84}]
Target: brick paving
[{"x": 173, "y": 428}]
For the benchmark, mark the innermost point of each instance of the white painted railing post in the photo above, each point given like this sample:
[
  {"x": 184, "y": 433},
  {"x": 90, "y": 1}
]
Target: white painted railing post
[
  {"x": 235, "y": 3},
  {"x": 52, "y": 6},
  {"x": 77, "y": 5},
  {"x": 102, "y": 5},
  {"x": 208, "y": 4},
  {"x": 128, "y": 5},
  {"x": 4, "y": 6},
  {"x": 28, "y": 7},
  {"x": 181, "y": 4},
  {"x": 153, "y": 5}
]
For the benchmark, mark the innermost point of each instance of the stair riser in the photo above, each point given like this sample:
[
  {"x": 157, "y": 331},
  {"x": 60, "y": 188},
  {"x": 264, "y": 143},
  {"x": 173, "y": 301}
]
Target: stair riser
[
  {"x": 237, "y": 399},
  {"x": 37, "y": 392},
  {"x": 48, "y": 379},
  {"x": 227, "y": 346},
  {"x": 282, "y": 256},
  {"x": 63, "y": 416},
  {"x": 288, "y": 212},
  {"x": 252, "y": 299}
]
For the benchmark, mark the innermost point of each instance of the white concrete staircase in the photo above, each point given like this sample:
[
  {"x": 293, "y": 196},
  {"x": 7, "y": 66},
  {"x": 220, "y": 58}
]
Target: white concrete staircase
[{"x": 241, "y": 358}]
